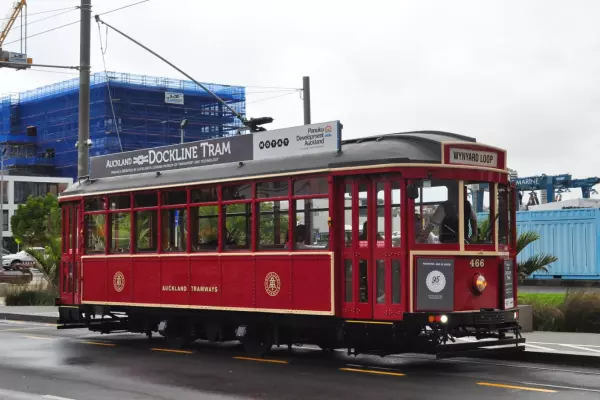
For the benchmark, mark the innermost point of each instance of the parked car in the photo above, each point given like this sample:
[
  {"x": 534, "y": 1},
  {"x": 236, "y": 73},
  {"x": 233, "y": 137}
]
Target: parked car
[{"x": 21, "y": 259}]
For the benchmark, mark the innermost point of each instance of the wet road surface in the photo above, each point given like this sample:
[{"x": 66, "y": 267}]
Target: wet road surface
[{"x": 40, "y": 362}]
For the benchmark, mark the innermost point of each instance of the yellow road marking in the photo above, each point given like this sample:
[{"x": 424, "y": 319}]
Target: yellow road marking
[
  {"x": 100, "y": 344},
  {"x": 21, "y": 329},
  {"x": 173, "y": 351},
  {"x": 367, "y": 371},
  {"x": 39, "y": 337},
  {"x": 499, "y": 385},
  {"x": 356, "y": 321},
  {"x": 17, "y": 322},
  {"x": 262, "y": 360}
]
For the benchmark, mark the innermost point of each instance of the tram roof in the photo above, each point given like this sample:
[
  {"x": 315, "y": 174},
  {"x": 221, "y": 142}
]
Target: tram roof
[{"x": 404, "y": 147}]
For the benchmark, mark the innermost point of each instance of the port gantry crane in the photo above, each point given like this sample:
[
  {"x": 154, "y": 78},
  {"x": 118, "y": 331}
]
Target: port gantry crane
[{"x": 9, "y": 59}]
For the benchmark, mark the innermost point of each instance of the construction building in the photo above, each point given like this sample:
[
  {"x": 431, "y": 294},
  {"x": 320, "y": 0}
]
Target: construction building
[{"x": 39, "y": 128}]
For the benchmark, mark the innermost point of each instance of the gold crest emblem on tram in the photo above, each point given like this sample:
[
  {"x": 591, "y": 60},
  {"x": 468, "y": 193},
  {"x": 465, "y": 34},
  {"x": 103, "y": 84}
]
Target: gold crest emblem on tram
[
  {"x": 119, "y": 281},
  {"x": 272, "y": 284}
]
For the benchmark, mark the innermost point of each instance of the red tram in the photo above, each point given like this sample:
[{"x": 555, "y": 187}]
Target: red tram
[{"x": 374, "y": 247}]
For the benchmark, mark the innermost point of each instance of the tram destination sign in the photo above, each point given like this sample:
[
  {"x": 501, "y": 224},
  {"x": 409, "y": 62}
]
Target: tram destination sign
[{"x": 288, "y": 142}]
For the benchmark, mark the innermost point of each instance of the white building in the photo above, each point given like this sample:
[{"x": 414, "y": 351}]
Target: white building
[{"x": 16, "y": 190}]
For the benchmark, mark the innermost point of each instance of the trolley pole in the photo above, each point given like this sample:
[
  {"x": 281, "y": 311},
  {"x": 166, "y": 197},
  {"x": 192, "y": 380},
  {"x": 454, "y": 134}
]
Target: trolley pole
[
  {"x": 306, "y": 94},
  {"x": 84, "y": 89}
]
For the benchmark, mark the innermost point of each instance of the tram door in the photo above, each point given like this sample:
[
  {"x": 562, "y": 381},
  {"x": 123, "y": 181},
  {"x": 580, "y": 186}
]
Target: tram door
[
  {"x": 71, "y": 254},
  {"x": 371, "y": 254}
]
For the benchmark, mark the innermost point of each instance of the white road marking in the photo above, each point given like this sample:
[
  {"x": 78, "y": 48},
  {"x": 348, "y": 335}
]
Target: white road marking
[
  {"x": 580, "y": 347},
  {"x": 562, "y": 344},
  {"x": 560, "y": 387},
  {"x": 548, "y": 349}
]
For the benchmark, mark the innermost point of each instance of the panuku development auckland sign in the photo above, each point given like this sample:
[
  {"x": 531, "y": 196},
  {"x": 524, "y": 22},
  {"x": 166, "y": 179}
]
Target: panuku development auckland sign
[{"x": 288, "y": 142}]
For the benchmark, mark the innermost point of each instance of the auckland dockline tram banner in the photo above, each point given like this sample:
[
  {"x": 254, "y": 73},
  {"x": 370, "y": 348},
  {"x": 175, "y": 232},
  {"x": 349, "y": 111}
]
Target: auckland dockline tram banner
[{"x": 296, "y": 141}]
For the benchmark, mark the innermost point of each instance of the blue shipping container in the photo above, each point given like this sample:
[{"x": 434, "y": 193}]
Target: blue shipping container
[{"x": 571, "y": 235}]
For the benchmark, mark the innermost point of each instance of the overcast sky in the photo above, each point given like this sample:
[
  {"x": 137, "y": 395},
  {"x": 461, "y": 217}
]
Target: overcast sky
[{"x": 523, "y": 75}]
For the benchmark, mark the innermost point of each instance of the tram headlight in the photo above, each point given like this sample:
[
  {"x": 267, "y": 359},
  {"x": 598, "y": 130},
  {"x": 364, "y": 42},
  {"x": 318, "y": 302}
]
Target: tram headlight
[
  {"x": 479, "y": 283},
  {"x": 444, "y": 319}
]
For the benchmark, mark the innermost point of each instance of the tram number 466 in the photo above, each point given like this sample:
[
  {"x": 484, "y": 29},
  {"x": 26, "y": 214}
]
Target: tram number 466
[{"x": 477, "y": 263}]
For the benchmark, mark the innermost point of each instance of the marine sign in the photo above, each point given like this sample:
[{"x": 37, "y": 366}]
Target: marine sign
[{"x": 288, "y": 142}]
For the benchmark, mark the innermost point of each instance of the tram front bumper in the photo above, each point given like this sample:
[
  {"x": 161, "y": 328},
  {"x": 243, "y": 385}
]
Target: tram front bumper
[
  {"x": 484, "y": 318},
  {"x": 493, "y": 331}
]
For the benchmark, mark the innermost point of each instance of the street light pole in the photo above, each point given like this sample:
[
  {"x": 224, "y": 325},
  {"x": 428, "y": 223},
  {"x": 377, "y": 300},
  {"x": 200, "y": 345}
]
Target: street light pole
[
  {"x": 84, "y": 90},
  {"x": 306, "y": 95},
  {"x": 2, "y": 202}
]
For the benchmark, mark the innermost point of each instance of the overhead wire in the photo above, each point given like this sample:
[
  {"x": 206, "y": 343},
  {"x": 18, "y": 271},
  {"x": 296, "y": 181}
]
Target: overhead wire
[
  {"x": 44, "y": 12},
  {"x": 76, "y": 22},
  {"x": 44, "y": 19},
  {"x": 54, "y": 72},
  {"x": 274, "y": 97}
]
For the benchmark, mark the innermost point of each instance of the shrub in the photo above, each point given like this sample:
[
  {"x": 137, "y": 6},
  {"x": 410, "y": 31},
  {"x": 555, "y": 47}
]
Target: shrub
[
  {"x": 582, "y": 311},
  {"x": 29, "y": 296}
]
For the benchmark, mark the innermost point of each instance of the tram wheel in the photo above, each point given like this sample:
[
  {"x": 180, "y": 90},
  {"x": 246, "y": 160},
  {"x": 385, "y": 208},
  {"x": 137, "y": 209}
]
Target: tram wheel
[{"x": 258, "y": 343}]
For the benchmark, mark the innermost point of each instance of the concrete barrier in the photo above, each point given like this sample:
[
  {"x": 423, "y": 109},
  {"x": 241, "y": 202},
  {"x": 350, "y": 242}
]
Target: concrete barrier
[{"x": 526, "y": 318}]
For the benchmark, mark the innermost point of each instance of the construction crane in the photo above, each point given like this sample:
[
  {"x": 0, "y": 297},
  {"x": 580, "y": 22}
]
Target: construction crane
[
  {"x": 9, "y": 59},
  {"x": 555, "y": 184}
]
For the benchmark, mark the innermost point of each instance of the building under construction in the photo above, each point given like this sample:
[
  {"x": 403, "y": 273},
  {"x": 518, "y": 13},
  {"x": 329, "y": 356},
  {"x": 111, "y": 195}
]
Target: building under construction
[{"x": 127, "y": 112}]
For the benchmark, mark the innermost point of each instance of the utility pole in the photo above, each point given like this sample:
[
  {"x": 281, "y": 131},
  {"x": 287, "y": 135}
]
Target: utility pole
[
  {"x": 306, "y": 95},
  {"x": 83, "y": 150},
  {"x": 2, "y": 153}
]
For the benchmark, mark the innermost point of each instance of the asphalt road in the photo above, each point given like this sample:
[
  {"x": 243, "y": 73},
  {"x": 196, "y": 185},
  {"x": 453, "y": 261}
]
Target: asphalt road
[{"x": 39, "y": 362}]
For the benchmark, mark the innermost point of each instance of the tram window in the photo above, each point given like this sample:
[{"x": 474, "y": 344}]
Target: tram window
[
  {"x": 204, "y": 228},
  {"x": 363, "y": 281},
  {"x": 238, "y": 192},
  {"x": 95, "y": 238},
  {"x": 272, "y": 189},
  {"x": 436, "y": 211},
  {"x": 119, "y": 202},
  {"x": 380, "y": 210},
  {"x": 146, "y": 229},
  {"x": 146, "y": 200},
  {"x": 380, "y": 271},
  {"x": 273, "y": 223},
  {"x": 120, "y": 230},
  {"x": 396, "y": 215},
  {"x": 363, "y": 217},
  {"x": 348, "y": 215},
  {"x": 396, "y": 285},
  {"x": 503, "y": 216},
  {"x": 95, "y": 204},
  {"x": 174, "y": 197},
  {"x": 478, "y": 232},
  {"x": 348, "y": 280},
  {"x": 238, "y": 217},
  {"x": 174, "y": 230},
  {"x": 312, "y": 224},
  {"x": 303, "y": 187},
  {"x": 204, "y": 195}
]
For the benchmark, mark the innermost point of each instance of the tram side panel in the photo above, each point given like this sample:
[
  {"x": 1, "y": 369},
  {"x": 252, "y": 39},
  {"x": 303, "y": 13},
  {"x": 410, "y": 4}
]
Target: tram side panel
[
  {"x": 447, "y": 284},
  {"x": 300, "y": 284}
]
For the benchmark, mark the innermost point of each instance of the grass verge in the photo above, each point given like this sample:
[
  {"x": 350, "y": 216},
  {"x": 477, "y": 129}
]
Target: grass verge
[{"x": 574, "y": 311}]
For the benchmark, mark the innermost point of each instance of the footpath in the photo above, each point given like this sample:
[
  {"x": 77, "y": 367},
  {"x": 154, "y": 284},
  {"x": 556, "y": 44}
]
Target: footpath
[{"x": 579, "y": 349}]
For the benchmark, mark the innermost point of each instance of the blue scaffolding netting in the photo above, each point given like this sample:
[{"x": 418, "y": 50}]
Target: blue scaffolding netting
[{"x": 144, "y": 119}]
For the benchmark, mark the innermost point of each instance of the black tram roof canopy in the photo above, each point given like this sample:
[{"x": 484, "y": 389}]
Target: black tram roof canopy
[{"x": 405, "y": 147}]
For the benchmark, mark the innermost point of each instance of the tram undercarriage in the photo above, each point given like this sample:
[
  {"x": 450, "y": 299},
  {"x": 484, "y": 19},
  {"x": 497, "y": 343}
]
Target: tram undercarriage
[{"x": 445, "y": 336}]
